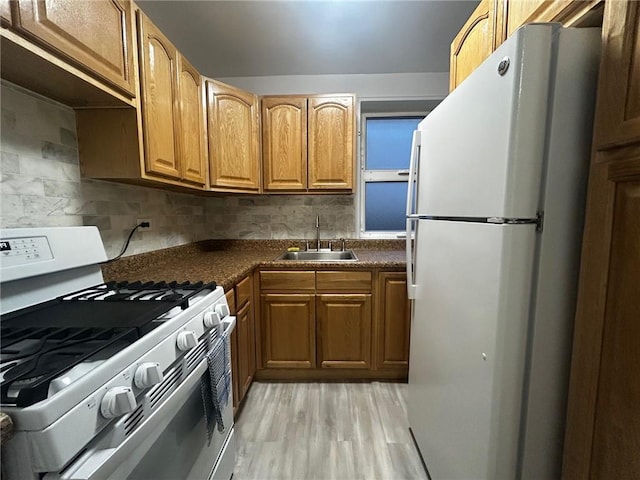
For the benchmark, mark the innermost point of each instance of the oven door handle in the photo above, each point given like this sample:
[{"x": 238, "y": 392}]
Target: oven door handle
[{"x": 101, "y": 463}]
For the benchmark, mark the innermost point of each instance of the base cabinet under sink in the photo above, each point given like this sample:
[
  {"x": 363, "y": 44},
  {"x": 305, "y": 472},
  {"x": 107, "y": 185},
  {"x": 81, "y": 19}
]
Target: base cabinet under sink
[{"x": 331, "y": 324}]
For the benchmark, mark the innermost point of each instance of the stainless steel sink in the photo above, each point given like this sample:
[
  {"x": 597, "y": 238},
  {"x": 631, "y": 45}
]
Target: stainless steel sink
[{"x": 319, "y": 256}]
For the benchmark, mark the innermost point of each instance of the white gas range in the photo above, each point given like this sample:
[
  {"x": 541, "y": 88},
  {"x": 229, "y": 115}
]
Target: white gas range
[{"x": 109, "y": 380}]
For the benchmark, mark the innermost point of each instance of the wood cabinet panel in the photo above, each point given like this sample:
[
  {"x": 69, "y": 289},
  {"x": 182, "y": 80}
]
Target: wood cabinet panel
[
  {"x": 246, "y": 349},
  {"x": 284, "y": 143},
  {"x": 618, "y": 105},
  {"x": 159, "y": 110},
  {"x": 288, "y": 331},
  {"x": 243, "y": 291},
  {"x": 233, "y": 137},
  {"x": 617, "y": 418},
  {"x": 344, "y": 330},
  {"x": 192, "y": 139},
  {"x": 330, "y": 143},
  {"x": 233, "y": 341},
  {"x": 475, "y": 42},
  {"x": 394, "y": 321},
  {"x": 343, "y": 281},
  {"x": 96, "y": 37},
  {"x": 301, "y": 281}
]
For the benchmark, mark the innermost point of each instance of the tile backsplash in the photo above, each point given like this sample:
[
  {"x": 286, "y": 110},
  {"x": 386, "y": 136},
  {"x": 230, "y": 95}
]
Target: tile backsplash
[{"x": 40, "y": 185}]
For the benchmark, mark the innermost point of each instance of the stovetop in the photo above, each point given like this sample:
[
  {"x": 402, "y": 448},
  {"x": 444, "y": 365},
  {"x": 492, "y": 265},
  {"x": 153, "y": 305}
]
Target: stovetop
[{"x": 80, "y": 330}]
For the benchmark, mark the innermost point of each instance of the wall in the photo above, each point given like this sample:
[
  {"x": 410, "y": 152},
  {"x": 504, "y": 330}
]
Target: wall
[
  {"x": 282, "y": 216},
  {"x": 371, "y": 86},
  {"x": 41, "y": 186}
]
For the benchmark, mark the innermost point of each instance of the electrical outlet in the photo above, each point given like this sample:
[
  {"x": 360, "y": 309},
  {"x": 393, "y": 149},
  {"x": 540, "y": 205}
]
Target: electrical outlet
[{"x": 148, "y": 220}]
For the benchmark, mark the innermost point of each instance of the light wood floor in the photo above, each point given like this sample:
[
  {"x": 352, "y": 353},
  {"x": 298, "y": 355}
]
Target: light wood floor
[{"x": 326, "y": 431}]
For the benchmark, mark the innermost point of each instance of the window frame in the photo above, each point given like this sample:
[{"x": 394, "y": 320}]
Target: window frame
[{"x": 371, "y": 176}]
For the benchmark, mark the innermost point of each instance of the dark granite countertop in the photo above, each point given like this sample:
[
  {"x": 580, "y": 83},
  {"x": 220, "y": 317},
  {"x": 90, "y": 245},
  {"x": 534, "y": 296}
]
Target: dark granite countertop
[{"x": 228, "y": 261}]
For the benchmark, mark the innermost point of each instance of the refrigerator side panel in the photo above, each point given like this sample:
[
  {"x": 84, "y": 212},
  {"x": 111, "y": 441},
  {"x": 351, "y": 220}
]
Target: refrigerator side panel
[
  {"x": 559, "y": 259},
  {"x": 482, "y": 148},
  {"x": 468, "y": 342}
]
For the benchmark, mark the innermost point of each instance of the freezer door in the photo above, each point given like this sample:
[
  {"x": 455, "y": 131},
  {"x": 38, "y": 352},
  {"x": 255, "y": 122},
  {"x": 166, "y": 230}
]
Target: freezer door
[
  {"x": 482, "y": 148},
  {"x": 468, "y": 344}
]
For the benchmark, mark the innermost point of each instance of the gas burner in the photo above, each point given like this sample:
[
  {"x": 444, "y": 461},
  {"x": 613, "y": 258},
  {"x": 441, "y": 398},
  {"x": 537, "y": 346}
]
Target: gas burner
[{"x": 40, "y": 343}]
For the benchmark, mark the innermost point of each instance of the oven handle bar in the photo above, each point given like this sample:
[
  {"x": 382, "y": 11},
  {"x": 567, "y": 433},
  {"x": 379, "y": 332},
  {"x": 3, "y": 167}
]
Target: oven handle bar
[{"x": 100, "y": 464}]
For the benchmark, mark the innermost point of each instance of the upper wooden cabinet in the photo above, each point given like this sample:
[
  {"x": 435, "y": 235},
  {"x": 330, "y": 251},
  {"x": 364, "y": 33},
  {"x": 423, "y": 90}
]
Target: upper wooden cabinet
[
  {"x": 162, "y": 142},
  {"x": 158, "y": 82},
  {"x": 95, "y": 36},
  {"x": 284, "y": 143},
  {"x": 234, "y": 161},
  {"x": 475, "y": 42},
  {"x": 618, "y": 104},
  {"x": 192, "y": 132},
  {"x": 495, "y": 20},
  {"x": 308, "y": 143},
  {"x": 330, "y": 143}
]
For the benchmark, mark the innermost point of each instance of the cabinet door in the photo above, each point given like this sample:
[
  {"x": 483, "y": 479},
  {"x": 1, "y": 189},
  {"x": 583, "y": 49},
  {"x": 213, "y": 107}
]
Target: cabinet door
[
  {"x": 233, "y": 137},
  {"x": 284, "y": 143},
  {"x": 246, "y": 349},
  {"x": 95, "y": 35},
  {"x": 330, "y": 142},
  {"x": 394, "y": 322},
  {"x": 234, "y": 350},
  {"x": 159, "y": 109},
  {"x": 344, "y": 330},
  {"x": 288, "y": 331},
  {"x": 192, "y": 137},
  {"x": 474, "y": 43},
  {"x": 520, "y": 12},
  {"x": 618, "y": 104}
]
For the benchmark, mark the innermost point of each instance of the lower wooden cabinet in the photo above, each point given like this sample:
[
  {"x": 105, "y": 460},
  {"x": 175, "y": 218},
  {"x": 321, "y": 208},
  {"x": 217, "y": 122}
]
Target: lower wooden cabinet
[
  {"x": 322, "y": 324},
  {"x": 288, "y": 331},
  {"x": 243, "y": 339},
  {"x": 344, "y": 330},
  {"x": 393, "y": 327}
]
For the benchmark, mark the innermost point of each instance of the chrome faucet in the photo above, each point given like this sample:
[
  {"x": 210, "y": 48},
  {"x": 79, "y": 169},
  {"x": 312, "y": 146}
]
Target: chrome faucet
[{"x": 318, "y": 232}]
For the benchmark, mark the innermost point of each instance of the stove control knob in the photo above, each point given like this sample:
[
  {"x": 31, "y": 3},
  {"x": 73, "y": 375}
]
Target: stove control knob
[
  {"x": 186, "y": 340},
  {"x": 211, "y": 319},
  {"x": 222, "y": 309},
  {"x": 147, "y": 375},
  {"x": 117, "y": 401}
]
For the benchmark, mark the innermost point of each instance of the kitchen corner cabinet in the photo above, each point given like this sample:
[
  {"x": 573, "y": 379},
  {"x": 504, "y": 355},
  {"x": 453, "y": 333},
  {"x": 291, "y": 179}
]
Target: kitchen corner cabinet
[
  {"x": 245, "y": 328},
  {"x": 233, "y": 135},
  {"x": 96, "y": 37},
  {"x": 233, "y": 342},
  {"x": 393, "y": 323},
  {"x": 162, "y": 142},
  {"x": 308, "y": 143}
]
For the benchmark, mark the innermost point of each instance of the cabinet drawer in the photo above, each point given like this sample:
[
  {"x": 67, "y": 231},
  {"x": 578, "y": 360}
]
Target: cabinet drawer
[
  {"x": 243, "y": 292},
  {"x": 343, "y": 281},
  {"x": 231, "y": 301},
  {"x": 288, "y": 281}
]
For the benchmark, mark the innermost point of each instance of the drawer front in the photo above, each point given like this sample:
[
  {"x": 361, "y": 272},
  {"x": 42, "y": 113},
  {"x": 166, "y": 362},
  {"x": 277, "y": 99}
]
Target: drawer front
[
  {"x": 331, "y": 281},
  {"x": 231, "y": 301},
  {"x": 243, "y": 292},
  {"x": 288, "y": 281}
]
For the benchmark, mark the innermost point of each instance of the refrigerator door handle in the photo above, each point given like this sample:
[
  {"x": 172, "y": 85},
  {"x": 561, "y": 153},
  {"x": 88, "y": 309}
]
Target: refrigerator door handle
[
  {"x": 413, "y": 170},
  {"x": 411, "y": 258}
]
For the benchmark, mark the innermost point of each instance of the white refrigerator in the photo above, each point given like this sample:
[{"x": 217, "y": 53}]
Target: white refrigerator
[{"x": 495, "y": 205}]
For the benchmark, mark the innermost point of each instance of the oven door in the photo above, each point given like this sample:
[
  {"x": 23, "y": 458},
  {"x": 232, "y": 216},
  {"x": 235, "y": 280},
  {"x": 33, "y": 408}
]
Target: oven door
[{"x": 170, "y": 444}]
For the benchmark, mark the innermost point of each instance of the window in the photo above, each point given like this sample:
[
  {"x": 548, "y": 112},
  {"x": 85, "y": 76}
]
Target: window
[{"x": 385, "y": 173}]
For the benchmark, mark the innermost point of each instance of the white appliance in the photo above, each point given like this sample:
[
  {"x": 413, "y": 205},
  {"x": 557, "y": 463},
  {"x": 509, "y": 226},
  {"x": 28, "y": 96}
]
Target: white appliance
[
  {"x": 496, "y": 205},
  {"x": 103, "y": 380}
]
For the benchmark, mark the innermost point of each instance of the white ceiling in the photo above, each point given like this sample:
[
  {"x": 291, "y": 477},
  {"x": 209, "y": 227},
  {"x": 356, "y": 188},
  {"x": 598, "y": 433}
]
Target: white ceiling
[{"x": 311, "y": 37}]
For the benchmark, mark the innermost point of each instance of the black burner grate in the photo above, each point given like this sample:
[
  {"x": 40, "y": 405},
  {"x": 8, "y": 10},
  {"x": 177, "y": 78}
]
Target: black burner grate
[{"x": 42, "y": 342}]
